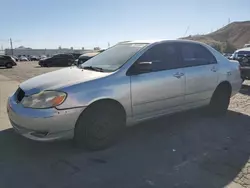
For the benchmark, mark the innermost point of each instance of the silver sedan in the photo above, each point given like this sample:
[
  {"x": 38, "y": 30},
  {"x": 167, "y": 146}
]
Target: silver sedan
[{"x": 131, "y": 82}]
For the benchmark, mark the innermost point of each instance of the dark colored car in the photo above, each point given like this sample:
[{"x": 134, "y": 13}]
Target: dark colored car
[
  {"x": 243, "y": 57},
  {"x": 7, "y": 61},
  {"x": 85, "y": 57},
  {"x": 59, "y": 60}
]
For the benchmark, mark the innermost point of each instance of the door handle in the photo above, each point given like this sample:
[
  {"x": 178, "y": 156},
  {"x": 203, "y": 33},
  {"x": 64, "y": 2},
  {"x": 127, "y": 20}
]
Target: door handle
[
  {"x": 214, "y": 69},
  {"x": 178, "y": 74},
  {"x": 229, "y": 73}
]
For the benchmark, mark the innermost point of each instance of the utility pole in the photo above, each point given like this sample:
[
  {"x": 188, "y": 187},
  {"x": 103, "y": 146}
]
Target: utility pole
[
  {"x": 186, "y": 31},
  {"x": 11, "y": 47}
]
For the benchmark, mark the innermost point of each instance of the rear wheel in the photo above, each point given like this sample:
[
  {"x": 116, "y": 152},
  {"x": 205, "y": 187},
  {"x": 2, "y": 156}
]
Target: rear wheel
[
  {"x": 99, "y": 126},
  {"x": 8, "y": 65},
  {"x": 220, "y": 100}
]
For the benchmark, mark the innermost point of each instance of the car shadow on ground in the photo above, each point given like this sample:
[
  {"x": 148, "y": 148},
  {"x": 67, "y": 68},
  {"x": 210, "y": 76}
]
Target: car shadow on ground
[{"x": 184, "y": 150}]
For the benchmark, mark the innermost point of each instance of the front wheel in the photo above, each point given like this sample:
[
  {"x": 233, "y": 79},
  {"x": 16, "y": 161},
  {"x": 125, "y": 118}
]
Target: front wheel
[{"x": 99, "y": 127}]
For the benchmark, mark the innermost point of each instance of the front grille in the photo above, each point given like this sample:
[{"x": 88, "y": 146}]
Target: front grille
[{"x": 19, "y": 95}]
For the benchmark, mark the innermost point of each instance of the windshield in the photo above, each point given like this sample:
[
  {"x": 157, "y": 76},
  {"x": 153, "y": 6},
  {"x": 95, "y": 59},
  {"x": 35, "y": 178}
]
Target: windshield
[{"x": 113, "y": 58}]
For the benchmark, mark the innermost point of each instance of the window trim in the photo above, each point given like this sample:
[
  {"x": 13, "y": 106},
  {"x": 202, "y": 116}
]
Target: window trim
[{"x": 182, "y": 59}]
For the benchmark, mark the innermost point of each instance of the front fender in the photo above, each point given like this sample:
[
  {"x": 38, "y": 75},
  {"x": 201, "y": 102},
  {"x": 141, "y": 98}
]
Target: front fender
[{"x": 86, "y": 95}]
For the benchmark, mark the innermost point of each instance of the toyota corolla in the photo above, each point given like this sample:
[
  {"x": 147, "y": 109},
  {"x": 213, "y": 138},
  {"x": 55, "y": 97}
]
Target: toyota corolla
[{"x": 128, "y": 83}]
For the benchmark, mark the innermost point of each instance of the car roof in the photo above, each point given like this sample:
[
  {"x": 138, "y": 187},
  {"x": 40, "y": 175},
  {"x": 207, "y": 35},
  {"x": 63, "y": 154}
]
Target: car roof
[
  {"x": 243, "y": 49},
  {"x": 159, "y": 41}
]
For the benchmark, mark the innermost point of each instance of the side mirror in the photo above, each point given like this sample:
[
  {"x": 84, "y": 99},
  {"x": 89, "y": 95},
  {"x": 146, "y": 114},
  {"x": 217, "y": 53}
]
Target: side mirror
[{"x": 142, "y": 67}]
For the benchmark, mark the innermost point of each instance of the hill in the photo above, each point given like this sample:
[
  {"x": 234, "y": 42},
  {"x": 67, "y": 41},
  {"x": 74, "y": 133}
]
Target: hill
[{"x": 228, "y": 38}]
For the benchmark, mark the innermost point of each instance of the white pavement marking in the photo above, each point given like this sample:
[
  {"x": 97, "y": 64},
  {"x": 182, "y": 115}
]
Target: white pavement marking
[{"x": 7, "y": 87}]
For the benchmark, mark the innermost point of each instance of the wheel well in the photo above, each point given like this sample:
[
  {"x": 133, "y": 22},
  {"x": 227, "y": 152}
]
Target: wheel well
[
  {"x": 111, "y": 102},
  {"x": 225, "y": 85}
]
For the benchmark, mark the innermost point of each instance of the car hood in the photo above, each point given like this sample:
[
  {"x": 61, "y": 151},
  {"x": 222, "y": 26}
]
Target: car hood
[{"x": 60, "y": 78}]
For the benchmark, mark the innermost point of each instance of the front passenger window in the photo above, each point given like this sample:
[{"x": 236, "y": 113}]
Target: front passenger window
[{"x": 162, "y": 56}]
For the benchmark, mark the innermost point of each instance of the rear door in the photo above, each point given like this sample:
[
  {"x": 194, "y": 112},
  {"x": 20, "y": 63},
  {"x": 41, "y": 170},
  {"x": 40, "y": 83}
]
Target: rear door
[
  {"x": 66, "y": 60},
  {"x": 56, "y": 60},
  {"x": 200, "y": 68}
]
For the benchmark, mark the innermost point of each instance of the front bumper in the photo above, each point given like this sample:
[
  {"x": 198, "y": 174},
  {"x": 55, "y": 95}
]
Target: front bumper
[{"x": 42, "y": 124}]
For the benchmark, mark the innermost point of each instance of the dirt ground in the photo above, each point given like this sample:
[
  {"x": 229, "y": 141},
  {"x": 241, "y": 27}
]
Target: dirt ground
[{"x": 187, "y": 150}]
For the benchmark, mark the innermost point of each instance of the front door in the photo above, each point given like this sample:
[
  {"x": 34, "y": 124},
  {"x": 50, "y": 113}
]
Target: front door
[
  {"x": 201, "y": 73},
  {"x": 160, "y": 90}
]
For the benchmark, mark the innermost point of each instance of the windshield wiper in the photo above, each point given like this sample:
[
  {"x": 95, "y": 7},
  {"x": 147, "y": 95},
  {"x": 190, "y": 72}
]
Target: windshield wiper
[{"x": 99, "y": 69}]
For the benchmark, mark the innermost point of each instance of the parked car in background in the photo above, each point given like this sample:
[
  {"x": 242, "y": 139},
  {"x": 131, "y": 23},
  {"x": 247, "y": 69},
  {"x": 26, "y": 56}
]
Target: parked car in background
[
  {"x": 23, "y": 58},
  {"x": 15, "y": 57},
  {"x": 227, "y": 55},
  {"x": 76, "y": 55},
  {"x": 33, "y": 58},
  {"x": 243, "y": 57},
  {"x": 58, "y": 60},
  {"x": 7, "y": 61},
  {"x": 42, "y": 57},
  {"x": 247, "y": 46},
  {"x": 85, "y": 57},
  {"x": 122, "y": 86}
]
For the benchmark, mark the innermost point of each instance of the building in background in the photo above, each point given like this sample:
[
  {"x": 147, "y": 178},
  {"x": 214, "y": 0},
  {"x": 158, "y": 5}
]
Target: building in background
[{"x": 47, "y": 52}]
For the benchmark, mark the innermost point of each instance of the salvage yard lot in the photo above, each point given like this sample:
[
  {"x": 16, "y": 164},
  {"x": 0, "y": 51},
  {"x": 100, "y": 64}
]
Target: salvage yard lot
[{"x": 185, "y": 150}]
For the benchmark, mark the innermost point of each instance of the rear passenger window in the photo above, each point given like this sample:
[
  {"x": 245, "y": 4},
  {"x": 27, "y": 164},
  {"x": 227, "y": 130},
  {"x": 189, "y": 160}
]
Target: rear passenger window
[
  {"x": 162, "y": 56},
  {"x": 196, "y": 55}
]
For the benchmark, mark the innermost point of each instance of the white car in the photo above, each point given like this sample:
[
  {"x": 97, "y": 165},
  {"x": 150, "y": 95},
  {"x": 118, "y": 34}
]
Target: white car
[{"x": 23, "y": 58}]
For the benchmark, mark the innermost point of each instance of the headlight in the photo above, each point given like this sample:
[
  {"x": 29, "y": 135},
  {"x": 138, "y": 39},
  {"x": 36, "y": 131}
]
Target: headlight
[{"x": 45, "y": 99}]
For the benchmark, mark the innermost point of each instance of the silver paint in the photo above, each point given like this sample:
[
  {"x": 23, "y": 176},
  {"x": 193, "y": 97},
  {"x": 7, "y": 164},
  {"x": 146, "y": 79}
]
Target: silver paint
[{"x": 142, "y": 96}]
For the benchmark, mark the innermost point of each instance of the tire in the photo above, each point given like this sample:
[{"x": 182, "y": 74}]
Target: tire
[
  {"x": 220, "y": 100},
  {"x": 8, "y": 65},
  {"x": 99, "y": 127}
]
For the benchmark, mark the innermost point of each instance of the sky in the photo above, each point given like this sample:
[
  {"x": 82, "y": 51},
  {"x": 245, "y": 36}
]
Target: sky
[{"x": 91, "y": 23}]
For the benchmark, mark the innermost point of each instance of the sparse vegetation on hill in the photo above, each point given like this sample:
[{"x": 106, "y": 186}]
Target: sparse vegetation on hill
[{"x": 228, "y": 38}]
